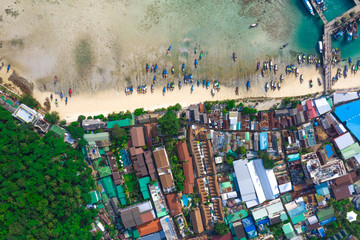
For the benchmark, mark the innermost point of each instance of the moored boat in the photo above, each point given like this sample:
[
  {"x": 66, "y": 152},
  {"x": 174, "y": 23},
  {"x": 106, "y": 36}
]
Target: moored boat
[
  {"x": 253, "y": 25},
  {"x": 355, "y": 31},
  {"x": 308, "y": 6},
  {"x": 338, "y": 34},
  {"x": 320, "y": 46}
]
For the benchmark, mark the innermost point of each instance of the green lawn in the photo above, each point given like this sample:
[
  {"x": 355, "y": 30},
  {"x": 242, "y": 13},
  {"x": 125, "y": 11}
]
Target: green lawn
[{"x": 130, "y": 181}]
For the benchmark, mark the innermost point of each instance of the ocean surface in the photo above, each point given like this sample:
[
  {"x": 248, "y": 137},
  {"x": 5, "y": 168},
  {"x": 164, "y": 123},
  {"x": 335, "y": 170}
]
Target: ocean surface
[{"x": 96, "y": 45}]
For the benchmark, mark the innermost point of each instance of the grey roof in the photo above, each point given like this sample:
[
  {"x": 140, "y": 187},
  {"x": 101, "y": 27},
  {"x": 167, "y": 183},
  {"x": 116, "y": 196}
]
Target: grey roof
[
  {"x": 243, "y": 178},
  {"x": 239, "y": 230},
  {"x": 356, "y": 202},
  {"x": 93, "y": 124},
  {"x": 275, "y": 220},
  {"x": 293, "y": 111},
  {"x": 127, "y": 219},
  {"x": 344, "y": 97},
  {"x": 281, "y": 113},
  {"x": 300, "y": 118}
]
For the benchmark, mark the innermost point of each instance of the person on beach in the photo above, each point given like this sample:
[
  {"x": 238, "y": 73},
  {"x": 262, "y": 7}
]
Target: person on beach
[
  {"x": 66, "y": 100},
  {"x": 51, "y": 97},
  {"x": 8, "y": 68},
  {"x": 55, "y": 80},
  {"x": 155, "y": 67},
  {"x": 172, "y": 70},
  {"x": 195, "y": 50},
  {"x": 152, "y": 68},
  {"x": 201, "y": 55},
  {"x": 56, "y": 102}
]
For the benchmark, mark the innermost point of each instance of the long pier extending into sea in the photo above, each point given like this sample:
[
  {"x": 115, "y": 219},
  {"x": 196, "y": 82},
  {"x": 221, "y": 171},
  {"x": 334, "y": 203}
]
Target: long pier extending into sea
[{"x": 329, "y": 29}]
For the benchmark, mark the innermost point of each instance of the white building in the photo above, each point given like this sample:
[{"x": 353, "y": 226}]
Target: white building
[{"x": 26, "y": 114}]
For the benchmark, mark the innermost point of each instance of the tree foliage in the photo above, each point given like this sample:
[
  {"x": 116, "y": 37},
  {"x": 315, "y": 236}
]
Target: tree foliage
[
  {"x": 75, "y": 130},
  {"x": 176, "y": 166},
  {"x": 240, "y": 150},
  {"x": 119, "y": 137},
  {"x": 29, "y": 101},
  {"x": 248, "y": 110},
  {"x": 221, "y": 228},
  {"x": 229, "y": 160},
  {"x": 139, "y": 111},
  {"x": 44, "y": 186},
  {"x": 169, "y": 124},
  {"x": 52, "y": 118},
  {"x": 267, "y": 161}
]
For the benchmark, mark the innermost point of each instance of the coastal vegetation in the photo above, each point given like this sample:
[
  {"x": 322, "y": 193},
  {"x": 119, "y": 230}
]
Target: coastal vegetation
[
  {"x": 44, "y": 185},
  {"x": 52, "y": 118},
  {"x": 169, "y": 124},
  {"x": 221, "y": 228},
  {"x": 29, "y": 101}
]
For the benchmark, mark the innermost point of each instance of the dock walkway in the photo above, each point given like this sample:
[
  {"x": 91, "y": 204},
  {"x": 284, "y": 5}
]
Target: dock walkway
[{"x": 329, "y": 29}]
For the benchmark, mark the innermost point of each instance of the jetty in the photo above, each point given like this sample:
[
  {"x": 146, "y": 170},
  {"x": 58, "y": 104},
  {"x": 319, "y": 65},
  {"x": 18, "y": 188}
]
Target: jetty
[{"x": 329, "y": 29}]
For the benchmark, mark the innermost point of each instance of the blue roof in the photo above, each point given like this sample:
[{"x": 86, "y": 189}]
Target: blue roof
[
  {"x": 293, "y": 157},
  {"x": 264, "y": 221},
  {"x": 326, "y": 221},
  {"x": 350, "y": 113},
  {"x": 247, "y": 222},
  {"x": 155, "y": 236},
  {"x": 297, "y": 211},
  {"x": 321, "y": 232},
  {"x": 322, "y": 189},
  {"x": 263, "y": 141}
]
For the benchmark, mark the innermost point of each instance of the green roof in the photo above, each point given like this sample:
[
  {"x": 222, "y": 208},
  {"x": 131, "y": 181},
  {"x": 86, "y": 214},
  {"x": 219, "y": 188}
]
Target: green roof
[
  {"x": 100, "y": 206},
  {"x": 57, "y": 131},
  {"x": 283, "y": 216},
  {"x": 134, "y": 233},
  {"x": 236, "y": 216},
  {"x": 289, "y": 231},
  {"x": 104, "y": 197},
  {"x": 225, "y": 184},
  {"x": 109, "y": 186},
  {"x": 247, "y": 136},
  {"x": 92, "y": 138},
  {"x": 104, "y": 171},
  {"x": 121, "y": 195},
  {"x": 350, "y": 151},
  {"x": 325, "y": 214},
  {"x": 121, "y": 123},
  {"x": 143, "y": 182},
  {"x": 298, "y": 218},
  {"x": 95, "y": 197}
]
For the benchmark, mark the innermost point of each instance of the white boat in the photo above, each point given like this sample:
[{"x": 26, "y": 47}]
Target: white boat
[
  {"x": 253, "y": 25},
  {"x": 308, "y": 6},
  {"x": 320, "y": 46}
]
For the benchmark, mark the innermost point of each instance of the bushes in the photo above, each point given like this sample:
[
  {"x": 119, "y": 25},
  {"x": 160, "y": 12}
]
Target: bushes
[
  {"x": 75, "y": 130},
  {"x": 29, "y": 101},
  {"x": 221, "y": 228},
  {"x": 267, "y": 161},
  {"x": 169, "y": 124},
  {"x": 52, "y": 118}
]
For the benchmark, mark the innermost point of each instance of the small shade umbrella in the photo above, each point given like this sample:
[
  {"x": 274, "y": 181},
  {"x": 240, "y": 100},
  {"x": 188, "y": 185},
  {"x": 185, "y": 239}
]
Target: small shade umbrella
[{"x": 351, "y": 216}]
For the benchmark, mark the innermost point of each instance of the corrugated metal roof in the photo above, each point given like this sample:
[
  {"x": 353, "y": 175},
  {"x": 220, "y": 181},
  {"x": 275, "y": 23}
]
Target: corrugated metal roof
[
  {"x": 244, "y": 182},
  {"x": 344, "y": 141},
  {"x": 92, "y": 138},
  {"x": 263, "y": 140},
  {"x": 298, "y": 218},
  {"x": 322, "y": 105},
  {"x": 350, "y": 151}
]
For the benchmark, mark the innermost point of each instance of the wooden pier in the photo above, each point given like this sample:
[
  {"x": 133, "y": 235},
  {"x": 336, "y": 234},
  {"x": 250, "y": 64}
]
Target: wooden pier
[{"x": 329, "y": 29}]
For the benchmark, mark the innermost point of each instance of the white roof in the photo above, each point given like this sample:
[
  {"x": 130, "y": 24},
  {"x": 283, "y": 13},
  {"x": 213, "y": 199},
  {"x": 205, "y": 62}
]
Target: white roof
[
  {"x": 341, "y": 128},
  {"x": 351, "y": 216},
  {"x": 264, "y": 180},
  {"x": 357, "y": 157},
  {"x": 275, "y": 208},
  {"x": 232, "y": 194},
  {"x": 344, "y": 141},
  {"x": 286, "y": 187},
  {"x": 259, "y": 213},
  {"x": 291, "y": 205},
  {"x": 243, "y": 179},
  {"x": 313, "y": 219},
  {"x": 26, "y": 114},
  {"x": 344, "y": 97},
  {"x": 251, "y": 203},
  {"x": 322, "y": 105}
]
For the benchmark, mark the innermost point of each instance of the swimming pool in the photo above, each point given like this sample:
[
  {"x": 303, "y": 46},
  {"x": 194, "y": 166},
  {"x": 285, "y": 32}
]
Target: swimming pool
[
  {"x": 329, "y": 151},
  {"x": 185, "y": 200}
]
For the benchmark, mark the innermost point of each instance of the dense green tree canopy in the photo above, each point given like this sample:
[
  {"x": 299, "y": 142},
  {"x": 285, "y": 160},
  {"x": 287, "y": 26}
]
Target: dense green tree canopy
[
  {"x": 169, "y": 123},
  {"x": 221, "y": 228},
  {"x": 29, "y": 101},
  {"x": 52, "y": 118},
  {"x": 44, "y": 186}
]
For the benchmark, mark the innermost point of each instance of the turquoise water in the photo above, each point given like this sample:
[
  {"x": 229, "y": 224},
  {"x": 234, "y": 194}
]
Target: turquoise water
[{"x": 336, "y": 8}]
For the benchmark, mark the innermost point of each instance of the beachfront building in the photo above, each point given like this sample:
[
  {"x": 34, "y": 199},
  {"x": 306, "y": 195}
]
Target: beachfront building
[
  {"x": 164, "y": 170},
  {"x": 93, "y": 124},
  {"x": 318, "y": 172},
  {"x": 26, "y": 114}
]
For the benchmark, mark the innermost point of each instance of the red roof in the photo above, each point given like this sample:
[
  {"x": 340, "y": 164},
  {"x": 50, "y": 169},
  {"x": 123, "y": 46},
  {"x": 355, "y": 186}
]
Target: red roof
[
  {"x": 300, "y": 108},
  {"x": 189, "y": 177},
  {"x": 311, "y": 109},
  {"x": 183, "y": 151},
  {"x": 149, "y": 227},
  {"x": 225, "y": 237},
  {"x": 174, "y": 204}
]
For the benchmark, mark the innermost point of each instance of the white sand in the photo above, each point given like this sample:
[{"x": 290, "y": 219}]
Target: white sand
[{"x": 111, "y": 101}]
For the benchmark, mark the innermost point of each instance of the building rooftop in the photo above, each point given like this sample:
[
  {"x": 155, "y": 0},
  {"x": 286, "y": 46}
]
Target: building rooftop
[
  {"x": 149, "y": 227},
  {"x": 174, "y": 204},
  {"x": 92, "y": 124},
  {"x": 344, "y": 141},
  {"x": 196, "y": 221},
  {"x": 137, "y": 136}
]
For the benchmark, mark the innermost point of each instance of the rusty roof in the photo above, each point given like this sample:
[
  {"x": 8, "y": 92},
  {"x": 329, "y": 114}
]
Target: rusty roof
[
  {"x": 166, "y": 180},
  {"x": 137, "y": 136},
  {"x": 149, "y": 227},
  {"x": 196, "y": 220},
  {"x": 174, "y": 204}
]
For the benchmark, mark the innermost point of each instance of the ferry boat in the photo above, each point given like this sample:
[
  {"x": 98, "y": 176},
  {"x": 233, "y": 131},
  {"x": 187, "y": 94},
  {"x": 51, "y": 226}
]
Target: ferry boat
[
  {"x": 320, "y": 46},
  {"x": 308, "y": 6},
  {"x": 355, "y": 32},
  {"x": 338, "y": 34}
]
